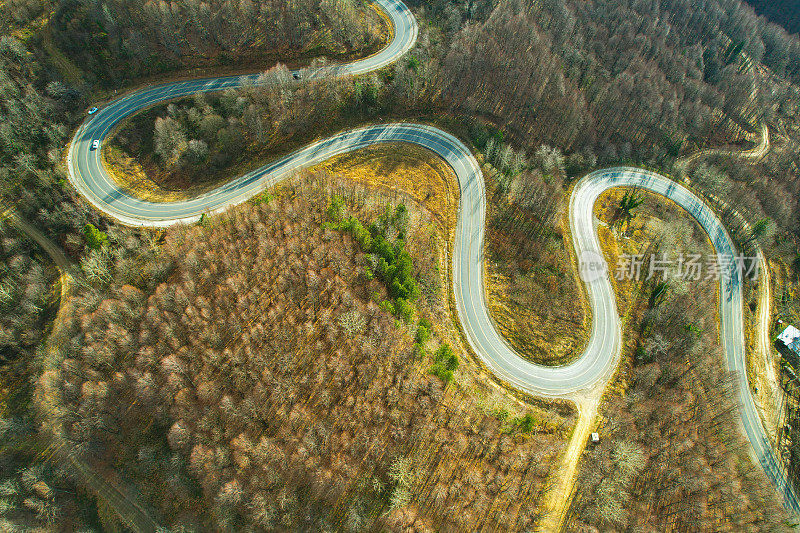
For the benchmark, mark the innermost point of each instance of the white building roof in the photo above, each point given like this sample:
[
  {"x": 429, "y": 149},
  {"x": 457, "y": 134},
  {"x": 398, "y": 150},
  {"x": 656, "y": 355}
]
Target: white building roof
[{"x": 791, "y": 339}]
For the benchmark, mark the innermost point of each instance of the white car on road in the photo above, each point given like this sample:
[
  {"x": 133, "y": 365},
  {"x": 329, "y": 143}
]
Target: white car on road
[{"x": 95, "y": 144}]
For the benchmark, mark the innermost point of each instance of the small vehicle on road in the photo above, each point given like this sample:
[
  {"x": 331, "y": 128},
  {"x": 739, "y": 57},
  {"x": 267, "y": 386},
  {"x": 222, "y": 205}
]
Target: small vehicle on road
[
  {"x": 296, "y": 75},
  {"x": 92, "y": 111},
  {"x": 95, "y": 144}
]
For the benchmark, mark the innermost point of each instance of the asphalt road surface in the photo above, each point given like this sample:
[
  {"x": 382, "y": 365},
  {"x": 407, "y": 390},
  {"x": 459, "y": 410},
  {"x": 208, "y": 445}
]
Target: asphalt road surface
[{"x": 602, "y": 353}]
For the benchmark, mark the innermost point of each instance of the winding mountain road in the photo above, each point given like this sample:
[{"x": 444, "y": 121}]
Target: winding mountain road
[{"x": 584, "y": 376}]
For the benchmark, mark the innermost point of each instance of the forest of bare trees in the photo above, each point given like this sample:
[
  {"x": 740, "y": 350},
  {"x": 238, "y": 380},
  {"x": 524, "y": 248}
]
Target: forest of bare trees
[
  {"x": 251, "y": 376},
  {"x": 121, "y": 40},
  {"x": 568, "y": 73},
  {"x": 671, "y": 454},
  {"x": 594, "y": 82},
  {"x": 25, "y": 295}
]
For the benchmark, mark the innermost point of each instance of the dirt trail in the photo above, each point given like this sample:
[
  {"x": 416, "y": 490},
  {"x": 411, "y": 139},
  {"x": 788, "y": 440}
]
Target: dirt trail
[
  {"x": 756, "y": 152},
  {"x": 563, "y": 479},
  {"x": 67, "y": 68},
  {"x": 763, "y": 322}
]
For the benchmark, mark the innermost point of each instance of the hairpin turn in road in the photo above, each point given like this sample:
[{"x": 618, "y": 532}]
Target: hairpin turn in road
[{"x": 602, "y": 353}]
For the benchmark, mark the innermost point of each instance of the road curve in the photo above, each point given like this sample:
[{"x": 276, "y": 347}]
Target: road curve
[
  {"x": 601, "y": 356},
  {"x": 88, "y": 176},
  {"x": 757, "y": 152}
]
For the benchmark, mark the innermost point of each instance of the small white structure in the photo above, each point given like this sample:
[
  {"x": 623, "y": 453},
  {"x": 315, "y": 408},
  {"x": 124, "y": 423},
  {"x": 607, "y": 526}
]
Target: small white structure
[
  {"x": 595, "y": 437},
  {"x": 790, "y": 338}
]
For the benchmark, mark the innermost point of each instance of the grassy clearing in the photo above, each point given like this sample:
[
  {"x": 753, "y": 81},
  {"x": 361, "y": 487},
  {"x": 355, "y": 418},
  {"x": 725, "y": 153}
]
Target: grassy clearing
[
  {"x": 129, "y": 176},
  {"x": 410, "y": 169},
  {"x": 636, "y": 238},
  {"x": 540, "y": 314}
]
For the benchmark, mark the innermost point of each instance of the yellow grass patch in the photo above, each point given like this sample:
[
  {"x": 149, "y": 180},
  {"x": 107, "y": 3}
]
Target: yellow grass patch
[
  {"x": 552, "y": 338},
  {"x": 129, "y": 176},
  {"x": 407, "y": 168},
  {"x": 540, "y": 313}
]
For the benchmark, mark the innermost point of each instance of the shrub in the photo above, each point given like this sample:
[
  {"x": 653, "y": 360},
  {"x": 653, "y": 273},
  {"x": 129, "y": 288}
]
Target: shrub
[
  {"x": 263, "y": 198},
  {"x": 387, "y": 306},
  {"x": 95, "y": 238},
  {"x": 419, "y": 350},
  {"x": 335, "y": 210},
  {"x": 405, "y": 310},
  {"x": 445, "y": 362},
  {"x": 352, "y": 322},
  {"x": 423, "y": 331},
  {"x": 524, "y": 424}
]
